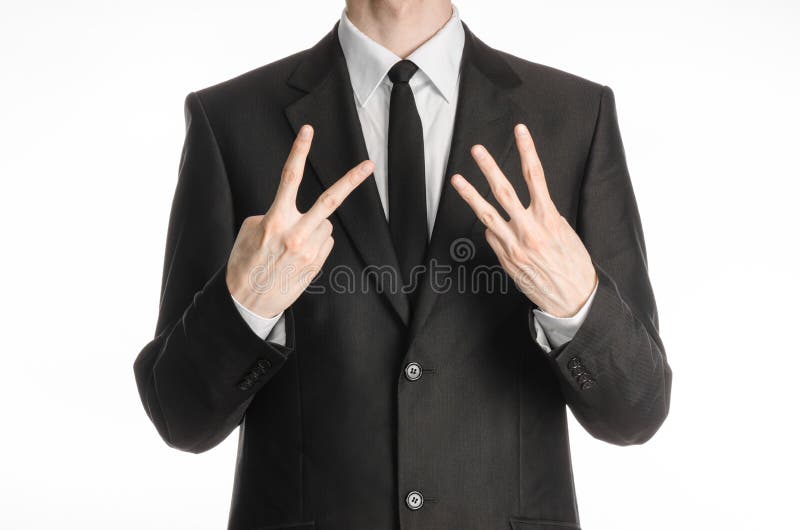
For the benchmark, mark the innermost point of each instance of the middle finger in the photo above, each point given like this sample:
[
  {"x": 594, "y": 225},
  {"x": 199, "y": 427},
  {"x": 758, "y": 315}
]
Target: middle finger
[{"x": 501, "y": 187}]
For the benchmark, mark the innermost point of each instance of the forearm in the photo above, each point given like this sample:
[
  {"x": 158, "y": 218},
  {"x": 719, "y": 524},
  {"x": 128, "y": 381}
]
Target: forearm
[
  {"x": 199, "y": 373},
  {"x": 198, "y": 376},
  {"x": 614, "y": 373}
]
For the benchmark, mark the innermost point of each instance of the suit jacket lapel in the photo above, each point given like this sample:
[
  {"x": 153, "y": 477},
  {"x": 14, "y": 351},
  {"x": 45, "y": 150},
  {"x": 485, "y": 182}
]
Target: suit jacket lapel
[
  {"x": 338, "y": 146},
  {"x": 484, "y": 115}
]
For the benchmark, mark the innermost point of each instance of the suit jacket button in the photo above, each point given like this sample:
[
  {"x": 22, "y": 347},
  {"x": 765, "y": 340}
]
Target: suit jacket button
[
  {"x": 413, "y": 371},
  {"x": 264, "y": 365},
  {"x": 578, "y": 370},
  {"x": 414, "y": 500}
]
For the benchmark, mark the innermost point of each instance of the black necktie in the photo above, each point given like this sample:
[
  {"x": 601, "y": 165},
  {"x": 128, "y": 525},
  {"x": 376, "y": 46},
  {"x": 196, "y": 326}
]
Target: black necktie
[{"x": 408, "y": 221}]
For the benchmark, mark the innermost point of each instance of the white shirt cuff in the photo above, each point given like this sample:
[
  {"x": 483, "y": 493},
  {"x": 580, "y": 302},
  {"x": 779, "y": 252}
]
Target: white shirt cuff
[
  {"x": 560, "y": 330},
  {"x": 272, "y": 328}
]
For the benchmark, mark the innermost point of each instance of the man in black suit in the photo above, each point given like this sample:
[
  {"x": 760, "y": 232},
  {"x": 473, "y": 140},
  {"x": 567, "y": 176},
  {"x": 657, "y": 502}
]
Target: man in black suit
[{"x": 415, "y": 374}]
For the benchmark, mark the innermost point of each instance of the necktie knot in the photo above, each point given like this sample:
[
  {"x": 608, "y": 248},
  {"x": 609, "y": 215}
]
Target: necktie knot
[{"x": 402, "y": 71}]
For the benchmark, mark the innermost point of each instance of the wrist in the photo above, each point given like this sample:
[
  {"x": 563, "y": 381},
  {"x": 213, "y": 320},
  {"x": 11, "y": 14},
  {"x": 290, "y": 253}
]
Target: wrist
[
  {"x": 253, "y": 302},
  {"x": 570, "y": 310}
]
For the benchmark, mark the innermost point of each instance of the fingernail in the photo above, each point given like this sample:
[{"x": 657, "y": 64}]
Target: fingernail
[
  {"x": 479, "y": 151},
  {"x": 366, "y": 169},
  {"x": 458, "y": 181},
  {"x": 305, "y": 131},
  {"x": 521, "y": 130}
]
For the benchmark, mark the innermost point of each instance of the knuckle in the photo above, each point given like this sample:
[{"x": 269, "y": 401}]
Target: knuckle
[
  {"x": 329, "y": 200},
  {"x": 251, "y": 221},
  {"x": 507, "y": 193},
  {"x": 553, "y": 223},
  {"x": 515, "y": 253},
  {"x": 549, "y": 217},
  {"x": 290, "y": 174},
  {"x": 293, "y": 242},
  {"x": 353, "y": 178},
  {"x": 271, "y": 223},
  {"x": 529, "y": 240}
]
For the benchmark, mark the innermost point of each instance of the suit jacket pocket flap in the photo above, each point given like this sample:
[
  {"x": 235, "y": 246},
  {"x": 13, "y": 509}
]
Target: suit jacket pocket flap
[
  {"x": 518, "y": 523},
  {"x": 296, "y": 526}
]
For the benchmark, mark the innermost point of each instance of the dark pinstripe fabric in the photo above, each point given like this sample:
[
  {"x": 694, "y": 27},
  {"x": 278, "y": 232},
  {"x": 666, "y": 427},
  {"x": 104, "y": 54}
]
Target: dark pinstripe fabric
[{"x": 332, "y": 435}]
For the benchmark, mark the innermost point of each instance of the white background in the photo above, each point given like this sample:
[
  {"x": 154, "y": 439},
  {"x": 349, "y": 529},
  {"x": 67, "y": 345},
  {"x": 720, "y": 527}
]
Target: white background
[{"x": 91, "y": 126}]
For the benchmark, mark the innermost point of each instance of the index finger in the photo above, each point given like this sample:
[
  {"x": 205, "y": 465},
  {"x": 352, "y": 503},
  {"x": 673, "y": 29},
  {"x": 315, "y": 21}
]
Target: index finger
[
  {"x": 335, "y": 195},
  {"x": 485, "y": 212},
  {"x": 292, "y": 172}
]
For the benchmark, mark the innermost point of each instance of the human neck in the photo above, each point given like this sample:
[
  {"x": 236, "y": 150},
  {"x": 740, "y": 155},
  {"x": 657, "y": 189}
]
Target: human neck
[{"x": 401, "y": 26}]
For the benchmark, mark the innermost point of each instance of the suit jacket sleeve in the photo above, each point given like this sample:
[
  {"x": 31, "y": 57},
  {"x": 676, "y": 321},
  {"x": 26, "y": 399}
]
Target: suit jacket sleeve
[
  {"x": 202, "y": 369},
  {"x": 614, "y": 372}
]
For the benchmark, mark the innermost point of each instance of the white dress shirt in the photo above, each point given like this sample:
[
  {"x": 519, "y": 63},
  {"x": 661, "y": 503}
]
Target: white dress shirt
[{"x": 435, "y": 89}]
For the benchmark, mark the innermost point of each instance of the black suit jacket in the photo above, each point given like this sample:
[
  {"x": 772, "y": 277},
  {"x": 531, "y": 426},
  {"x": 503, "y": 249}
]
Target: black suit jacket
[{"x": 333, "y": 436}]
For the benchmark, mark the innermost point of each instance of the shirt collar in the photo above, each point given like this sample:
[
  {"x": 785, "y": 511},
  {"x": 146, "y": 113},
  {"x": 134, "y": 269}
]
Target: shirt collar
[{"x": 439, "y": 58}]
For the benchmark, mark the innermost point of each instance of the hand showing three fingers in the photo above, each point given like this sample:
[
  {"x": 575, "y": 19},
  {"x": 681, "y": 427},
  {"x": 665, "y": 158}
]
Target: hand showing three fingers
[
  {"x": 277, "y": 255},
  {"x": 537, "y": 247}
]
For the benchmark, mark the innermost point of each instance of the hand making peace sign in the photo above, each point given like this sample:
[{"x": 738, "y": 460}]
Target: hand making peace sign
[{"x": 277, "y": 255}]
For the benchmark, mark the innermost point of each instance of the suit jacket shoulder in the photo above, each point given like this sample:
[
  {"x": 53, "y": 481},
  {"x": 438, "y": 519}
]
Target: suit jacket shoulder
[
  {"x": 238, "y": 106},
  {"x": 566, "y": 96}
]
